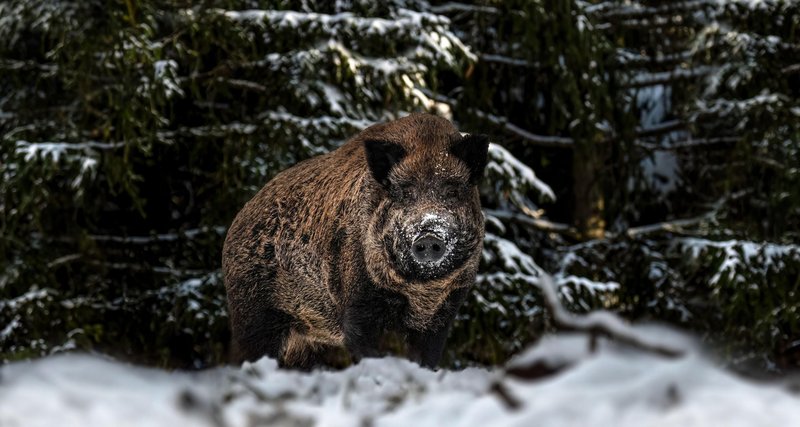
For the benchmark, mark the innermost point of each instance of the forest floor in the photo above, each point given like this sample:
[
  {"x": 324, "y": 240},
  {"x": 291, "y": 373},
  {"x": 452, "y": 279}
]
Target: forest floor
[{"x": 558, "y": 382}]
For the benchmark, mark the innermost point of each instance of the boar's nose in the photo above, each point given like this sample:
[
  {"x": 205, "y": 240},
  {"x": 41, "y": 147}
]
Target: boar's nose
[{"x": 428, "y": 249}]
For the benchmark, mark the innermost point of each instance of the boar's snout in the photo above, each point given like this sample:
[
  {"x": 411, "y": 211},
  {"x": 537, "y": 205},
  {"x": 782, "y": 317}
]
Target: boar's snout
[
  {"x": 432, "y": 239},
  {"x": 428, "y": 249}
]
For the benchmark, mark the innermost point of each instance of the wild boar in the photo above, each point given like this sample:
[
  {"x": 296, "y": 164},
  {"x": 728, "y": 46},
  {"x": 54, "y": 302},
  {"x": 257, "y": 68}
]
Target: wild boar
[{"x": 383, "y": 234}]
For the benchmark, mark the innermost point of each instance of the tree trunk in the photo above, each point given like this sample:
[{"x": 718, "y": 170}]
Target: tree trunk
[{"x": 587, "y": 190}]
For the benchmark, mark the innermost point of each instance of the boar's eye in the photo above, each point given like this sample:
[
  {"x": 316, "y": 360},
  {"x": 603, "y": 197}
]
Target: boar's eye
[
  {"x": 404, "y": 191},
  {"x": 452, "y": 191}
]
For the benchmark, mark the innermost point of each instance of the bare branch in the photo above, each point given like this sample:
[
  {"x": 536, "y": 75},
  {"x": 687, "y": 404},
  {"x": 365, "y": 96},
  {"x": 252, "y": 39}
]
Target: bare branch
[
  {"x": 248, "y": 85},
  {"x": 691, "y": 143},
  {"x": 672, "y": 226},
  {"x": 542, "y": 140},
  {"x": 63, "y": 260},
  {"x": 659, "y": 129},
  {"x": 463, "y": 7},
  {"x": 770, "y": 163},
  {"x": 794, "y": 68},
  {"x": 507, "y": 60},
  {"x": 677, "y": 224}
]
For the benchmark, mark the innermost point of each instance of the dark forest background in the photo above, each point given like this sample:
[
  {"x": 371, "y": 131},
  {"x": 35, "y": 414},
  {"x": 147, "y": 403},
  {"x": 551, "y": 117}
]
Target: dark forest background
[{"x": 646, "y": 154}]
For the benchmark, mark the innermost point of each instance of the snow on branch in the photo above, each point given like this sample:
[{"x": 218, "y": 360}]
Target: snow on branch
[
  {"x": 679, "y": 73},
  {"x": 316, "y": 122},
  {"x": 365, "y": 25},
  {"x": 740, "y": 255},
  {"x": 598, "y": 322},
  {"x": 55, "y": 150},
  {"x": 519, "y": 175},
  {"x": 463, "y": 7},
  {"x": 510, "y": 256},
  {"x": 536, "y": 223},
  {"x": 438, "y": 37},
  {"x": 159, "y": 269},
  {"x": 164, "y": 237},
  {"x": 84, "y": 154},
  {"x": 635, "y": 10},
  {"x": 318, "y": 55},
  {"x": 722, "y": 107},
  {"x": 12, "y": 304},
  {"x": 628, "y": 57}
]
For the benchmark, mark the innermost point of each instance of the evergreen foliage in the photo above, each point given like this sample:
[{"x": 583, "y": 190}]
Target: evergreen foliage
[
  {"x": 681, "y": 170},
  {"x": 132, "y": 135},
  {"x": 664, "y": 137}
]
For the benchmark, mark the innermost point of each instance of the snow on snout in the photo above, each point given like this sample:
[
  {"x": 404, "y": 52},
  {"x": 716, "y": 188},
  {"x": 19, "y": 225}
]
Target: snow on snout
[{"x": 432, "y": 224}]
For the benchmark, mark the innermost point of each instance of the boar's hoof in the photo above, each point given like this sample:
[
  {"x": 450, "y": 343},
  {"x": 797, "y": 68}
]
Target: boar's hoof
[{"x": 428, "y": 249}]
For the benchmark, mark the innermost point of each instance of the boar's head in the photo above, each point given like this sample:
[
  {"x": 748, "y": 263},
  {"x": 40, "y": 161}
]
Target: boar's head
[{"x": 428, "y": 221}]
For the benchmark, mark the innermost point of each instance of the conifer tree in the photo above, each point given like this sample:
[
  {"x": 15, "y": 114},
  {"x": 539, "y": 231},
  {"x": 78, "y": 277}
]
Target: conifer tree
[{"x": 132, "y": 135}]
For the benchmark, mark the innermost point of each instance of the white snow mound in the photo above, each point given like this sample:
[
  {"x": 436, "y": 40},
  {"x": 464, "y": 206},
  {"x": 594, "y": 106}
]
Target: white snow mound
[{"x": 605, "y": 387}]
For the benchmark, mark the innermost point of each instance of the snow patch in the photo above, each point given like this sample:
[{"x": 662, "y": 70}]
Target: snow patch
[
  {"x": 653, "y": 103},
  {"x": 662, "y": 171},
  {"x": 335, "y": 99},
  {"x": 165, "y": 73}
]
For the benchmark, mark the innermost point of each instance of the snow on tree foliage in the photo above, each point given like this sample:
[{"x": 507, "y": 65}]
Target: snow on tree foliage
[
  {"x": 132, "y": 135},
  {"x": 701, "y": 140},
  {"x": 663, "y": 136},
  {"x": 232, "y": 96}
]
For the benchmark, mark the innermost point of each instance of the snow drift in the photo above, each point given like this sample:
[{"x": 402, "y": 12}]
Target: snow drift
[{"x": 559, "y": 382}]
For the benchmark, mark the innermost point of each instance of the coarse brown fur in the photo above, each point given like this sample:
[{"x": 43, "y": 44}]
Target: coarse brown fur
[{"x": 319, "y": 258}]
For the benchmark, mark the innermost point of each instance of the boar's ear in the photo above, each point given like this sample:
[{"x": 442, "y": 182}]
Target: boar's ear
[
  {"x": 474, "y": 151},
  {"x": 381, "y": 158}
]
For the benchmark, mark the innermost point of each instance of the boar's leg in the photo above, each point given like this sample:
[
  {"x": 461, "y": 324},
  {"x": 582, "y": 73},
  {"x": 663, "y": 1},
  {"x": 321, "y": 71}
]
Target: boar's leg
[
  {"x": 303, "y": 353},
  {"x": 426, "y": 347},
  {"x": 366, "y": 319},
  {"x": 261, "y": 336},
  {"x": 362, "y": 333}
]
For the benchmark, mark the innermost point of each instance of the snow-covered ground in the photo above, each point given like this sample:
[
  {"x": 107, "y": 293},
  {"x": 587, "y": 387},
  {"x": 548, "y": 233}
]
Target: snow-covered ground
[{"x": 559, "y": 382}]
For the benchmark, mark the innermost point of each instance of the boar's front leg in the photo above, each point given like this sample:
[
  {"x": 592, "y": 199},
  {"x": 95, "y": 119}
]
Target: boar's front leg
[
  {"x": 362, "y": 332},
  {"x": 426, "y": 347},
  {"x": 366, "y": 319}
]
